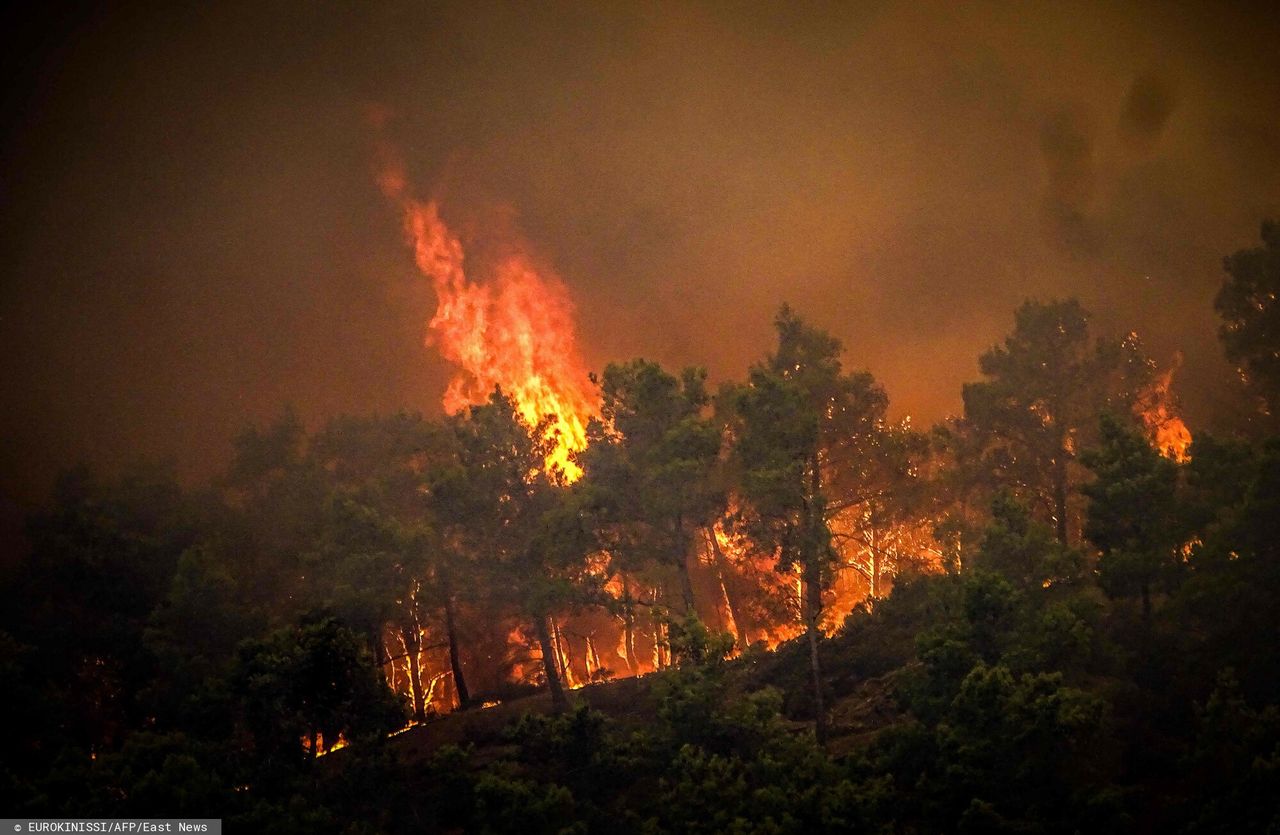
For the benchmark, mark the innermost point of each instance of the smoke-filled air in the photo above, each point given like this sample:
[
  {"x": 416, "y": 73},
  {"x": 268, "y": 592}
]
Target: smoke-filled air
[{"x": 690, "y": 418}]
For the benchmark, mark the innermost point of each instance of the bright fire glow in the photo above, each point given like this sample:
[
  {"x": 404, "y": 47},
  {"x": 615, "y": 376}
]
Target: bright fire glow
[
  {"x": 511, "y": 326},
  {"x": 1168, "y": 433},
  {"x": 321, "y": 748},
  {"x": 514, "y": 330}
]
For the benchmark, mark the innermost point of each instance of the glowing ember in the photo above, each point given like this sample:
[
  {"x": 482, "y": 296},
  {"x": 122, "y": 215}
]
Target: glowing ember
[
  {"x": 514, "y": 330},
  {"x": 410, "y": 726}
]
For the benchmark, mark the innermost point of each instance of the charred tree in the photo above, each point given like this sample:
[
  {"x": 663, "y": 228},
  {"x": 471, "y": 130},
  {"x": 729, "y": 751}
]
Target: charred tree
[
  {"x": 455, "y": 654},
  {"x": 550, "y": 665}
]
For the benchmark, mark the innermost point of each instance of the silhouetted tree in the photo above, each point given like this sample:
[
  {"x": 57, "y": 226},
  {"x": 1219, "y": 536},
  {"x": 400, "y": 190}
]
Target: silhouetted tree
[
  {"x": 103, "y": 557},
  {"x": 1230, "y": 594},
  {"x": 796, "y": 413},
  {"x": 1024, "y": 550},
  {"x": 378, "y": 559},
  {"x": 1134, "y": 514},
  {"x": 527, "y": 539},
  {"x": 1249, "y": 304},
  {"x": 307, "y": 686},
  {"x": 649, "y": 466},
  {"x": 879, "y": 498},
  {"x": 1045, "y": 387}
]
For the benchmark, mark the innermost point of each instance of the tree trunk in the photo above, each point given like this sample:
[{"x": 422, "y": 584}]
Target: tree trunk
[
  {"x": 659, "y": 658},
  {"x": 411, "y": 645},
  {"x": 875, "y": 562},
  {"x": 722, "y": 565},
  {"x": 1060, "y": 493},
  {"x": 681, "y": 557},
  {"x": 593, "y": 657},
  {"x": 812, "y": 555},
  {"x": 659, "y": 646},
  {"x": 629, "y": 626},
  {"x": 455, "y": 655},
  {"x": 549, "y": 664},
  {"x": 813, "y": 609},
  {"x": 564, "y": 653},
  {"x": 686, "y": 586},
  {"x": 380, "y": 657}
]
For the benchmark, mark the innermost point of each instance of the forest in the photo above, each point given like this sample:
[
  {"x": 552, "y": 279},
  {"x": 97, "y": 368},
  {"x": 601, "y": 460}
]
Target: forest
[{"x": 764, "y": 608}]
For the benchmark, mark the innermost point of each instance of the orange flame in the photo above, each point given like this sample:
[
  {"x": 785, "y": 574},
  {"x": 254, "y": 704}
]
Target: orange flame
[
  {"x": 513, "y": 331},
  {"x": 1157, "y": 408}
]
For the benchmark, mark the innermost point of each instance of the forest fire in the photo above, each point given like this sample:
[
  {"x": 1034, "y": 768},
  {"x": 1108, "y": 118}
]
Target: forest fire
[
  {"x": 450, "y": 417},
  {"x": 1156, "y": 406},
  {"x": 514, "y": 330}
]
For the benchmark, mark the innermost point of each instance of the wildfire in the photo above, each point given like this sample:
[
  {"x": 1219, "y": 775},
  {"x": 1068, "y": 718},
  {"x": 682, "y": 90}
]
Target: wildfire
[
  {"x": 512, "y": 327},
  {"x": 321, "y": 748},
  {"x": 1168, "y": 433},
  {"x": 514, "y": 330}
]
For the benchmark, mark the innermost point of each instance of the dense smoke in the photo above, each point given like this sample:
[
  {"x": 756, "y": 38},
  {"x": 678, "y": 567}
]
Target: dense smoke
[{"x": 192, "y": 238}]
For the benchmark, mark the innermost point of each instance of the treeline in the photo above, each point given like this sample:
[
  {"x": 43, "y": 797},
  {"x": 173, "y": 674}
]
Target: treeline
[{"x": 1081, "y": 632}]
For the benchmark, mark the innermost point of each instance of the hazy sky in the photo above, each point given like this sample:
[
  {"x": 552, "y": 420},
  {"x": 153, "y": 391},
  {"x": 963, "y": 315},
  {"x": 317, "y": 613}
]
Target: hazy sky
[{"x": 192, "y": 236}]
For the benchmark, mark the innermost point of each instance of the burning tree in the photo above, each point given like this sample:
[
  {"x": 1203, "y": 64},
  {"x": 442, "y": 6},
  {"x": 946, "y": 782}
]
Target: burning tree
[
  {"x": 1046, "y": 387},
  {"x": 1135, "y": 517},
  {"x": 796, "y": 414},
  {"x": 378, "y": 560},
  {"x": 526, "y": 539},
  {"x": 649, "y": 467},
  {"x": 881, "y": 519},
  {"x": 1249, "y": 304}
]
